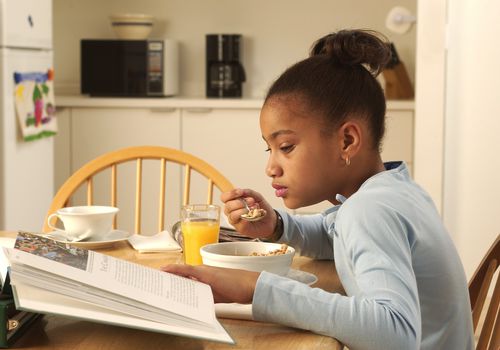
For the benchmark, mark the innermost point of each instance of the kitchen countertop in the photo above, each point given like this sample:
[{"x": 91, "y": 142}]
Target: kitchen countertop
[{"x": 82, "y": 101}]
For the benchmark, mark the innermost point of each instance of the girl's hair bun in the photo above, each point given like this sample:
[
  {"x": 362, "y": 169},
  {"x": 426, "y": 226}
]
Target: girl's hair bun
[{"x": 355, "y": 47}]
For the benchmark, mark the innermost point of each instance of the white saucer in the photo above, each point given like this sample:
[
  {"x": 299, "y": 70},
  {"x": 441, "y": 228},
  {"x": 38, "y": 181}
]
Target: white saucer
[
  {"x": 108, "y": 240},
  {"x": 302, "y": 276}
]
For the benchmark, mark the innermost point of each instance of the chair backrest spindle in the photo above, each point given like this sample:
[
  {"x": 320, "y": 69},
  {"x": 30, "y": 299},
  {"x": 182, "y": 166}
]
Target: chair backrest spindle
[
  {"x": 186, "y": 161},
  {"x": 114, "y": 197},
  {"x": 210, "y": 191},
  {"x": 489, "y": 321},
  {"x": 138, "y": 195},
  {"x": 483, "y": 291},
  {"x": 90, "y": 191},
  {"x": 161, "y": 204},
  {"x": 187, "y": 184},
  {"x": 479, "y": 287}
]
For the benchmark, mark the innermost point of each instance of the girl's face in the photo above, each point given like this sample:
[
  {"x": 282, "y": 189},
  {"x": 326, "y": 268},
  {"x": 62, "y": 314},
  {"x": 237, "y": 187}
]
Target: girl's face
[{"x": 305, "y": 165}]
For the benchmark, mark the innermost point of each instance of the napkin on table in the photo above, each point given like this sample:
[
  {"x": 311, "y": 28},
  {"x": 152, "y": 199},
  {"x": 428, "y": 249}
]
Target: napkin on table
[
  {"x": 161, "y": 242},
  {"x": 234, "y": 310}
]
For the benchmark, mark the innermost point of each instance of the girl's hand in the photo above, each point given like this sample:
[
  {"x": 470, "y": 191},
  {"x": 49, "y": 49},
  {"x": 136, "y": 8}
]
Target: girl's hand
[
  {"x": 228, "y": 285},
  {"x": 233, "y": 208}
]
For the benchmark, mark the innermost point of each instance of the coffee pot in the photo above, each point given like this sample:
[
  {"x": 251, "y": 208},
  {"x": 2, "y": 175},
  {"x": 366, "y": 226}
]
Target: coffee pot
[{"x": 224, "y": 71}]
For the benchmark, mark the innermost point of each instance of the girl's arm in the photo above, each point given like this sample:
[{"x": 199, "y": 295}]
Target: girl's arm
[
  {"x": 308, "y": 234},
  {"x": 374, "y": 263}
]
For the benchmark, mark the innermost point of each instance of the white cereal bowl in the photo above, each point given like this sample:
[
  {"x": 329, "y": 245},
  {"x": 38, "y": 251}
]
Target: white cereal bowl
[
  {"x": 131, "y": 26},
  {"x": 237, "y": 255}
]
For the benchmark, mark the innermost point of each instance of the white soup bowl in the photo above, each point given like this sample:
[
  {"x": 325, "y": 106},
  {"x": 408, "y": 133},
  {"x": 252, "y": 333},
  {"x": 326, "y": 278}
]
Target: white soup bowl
[{"x": 237, "y": 255}]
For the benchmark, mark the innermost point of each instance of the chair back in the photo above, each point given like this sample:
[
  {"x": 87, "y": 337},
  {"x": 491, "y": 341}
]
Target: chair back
[
  {"x": 84, "y": 180},
  {"x": 479, "y": 288}
]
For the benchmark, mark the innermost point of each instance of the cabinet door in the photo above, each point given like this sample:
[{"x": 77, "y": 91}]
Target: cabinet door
[
  {"x": 398, "y": 141},
  {"x": 62, "y": 149},
  {"x": 230, "y": 140},
  {"x": 95, "y": 131}
]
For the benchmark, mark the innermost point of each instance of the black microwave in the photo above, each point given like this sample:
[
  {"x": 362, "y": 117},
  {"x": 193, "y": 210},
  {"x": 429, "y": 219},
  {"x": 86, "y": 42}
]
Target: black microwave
[{"x": 129, "y": 68}]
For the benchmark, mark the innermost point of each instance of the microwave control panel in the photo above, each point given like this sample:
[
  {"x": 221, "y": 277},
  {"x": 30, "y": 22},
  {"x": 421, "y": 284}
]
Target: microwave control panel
[{"x": 155, "y": 68}]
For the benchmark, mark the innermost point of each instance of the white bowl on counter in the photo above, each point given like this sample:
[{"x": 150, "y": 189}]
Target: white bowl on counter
[
  {"x": 132, "y": 26},
  {"x": 237, "y": 255}
]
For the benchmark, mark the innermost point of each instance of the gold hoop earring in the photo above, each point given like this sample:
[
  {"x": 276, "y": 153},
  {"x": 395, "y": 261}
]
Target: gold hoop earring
[{"x": 347, "y": 161}]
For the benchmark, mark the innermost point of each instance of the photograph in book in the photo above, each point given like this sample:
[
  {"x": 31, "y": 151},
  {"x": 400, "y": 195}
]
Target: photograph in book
[
  {"x": 53, "y": 250},
  {"x": 57, "y": 278}
]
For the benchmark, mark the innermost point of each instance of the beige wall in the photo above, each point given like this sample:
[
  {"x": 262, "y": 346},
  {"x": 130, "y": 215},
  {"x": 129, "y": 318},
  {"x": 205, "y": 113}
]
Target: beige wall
[
  {"x": 472, "y": 119},
  {"x": 430, "y": 98},
  {"x": 276, "y": 32},
  {"x": 457, "y": 123}
]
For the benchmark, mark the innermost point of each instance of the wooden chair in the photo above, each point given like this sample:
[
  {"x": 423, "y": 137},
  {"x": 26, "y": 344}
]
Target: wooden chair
[
  {"x": 112, "y": 160},
  {"x": 479, "y": 285}
]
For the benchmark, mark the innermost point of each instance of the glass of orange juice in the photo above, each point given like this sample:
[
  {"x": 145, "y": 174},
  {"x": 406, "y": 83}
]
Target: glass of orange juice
[{"x": 200, "y": 226}]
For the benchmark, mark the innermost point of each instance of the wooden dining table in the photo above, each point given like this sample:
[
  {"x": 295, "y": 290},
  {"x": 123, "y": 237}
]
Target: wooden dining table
[{"x": 63, "y": 333}]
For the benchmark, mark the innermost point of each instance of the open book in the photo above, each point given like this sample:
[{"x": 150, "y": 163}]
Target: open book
[{"x": 55, "y": 278}]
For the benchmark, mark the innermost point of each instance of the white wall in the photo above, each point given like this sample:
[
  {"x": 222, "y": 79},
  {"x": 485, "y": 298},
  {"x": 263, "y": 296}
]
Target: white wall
[
  {"x": 430, "y": 97},
  {"x": 458, "y": 119},
  {"x": 276, "y": 32},
  {"x": 471, "y": 193}
]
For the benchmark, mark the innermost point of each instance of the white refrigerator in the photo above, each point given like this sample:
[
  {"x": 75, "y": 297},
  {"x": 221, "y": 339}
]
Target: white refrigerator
[{"x": 26, "y": 167}]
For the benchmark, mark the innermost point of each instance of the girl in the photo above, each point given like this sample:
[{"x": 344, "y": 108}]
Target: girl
[{"x": 323, "y": 122}]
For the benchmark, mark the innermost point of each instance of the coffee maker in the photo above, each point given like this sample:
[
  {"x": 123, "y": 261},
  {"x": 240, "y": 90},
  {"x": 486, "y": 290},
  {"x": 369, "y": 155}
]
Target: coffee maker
[{"x": 225, "y": 73}]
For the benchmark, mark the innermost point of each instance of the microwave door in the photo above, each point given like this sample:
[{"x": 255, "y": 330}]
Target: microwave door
[{"x": 114, "y": 67}]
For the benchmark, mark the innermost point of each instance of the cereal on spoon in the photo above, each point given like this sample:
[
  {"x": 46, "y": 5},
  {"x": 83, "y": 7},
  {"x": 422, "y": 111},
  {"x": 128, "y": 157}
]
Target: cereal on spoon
[{"x": 254, "y": 213}]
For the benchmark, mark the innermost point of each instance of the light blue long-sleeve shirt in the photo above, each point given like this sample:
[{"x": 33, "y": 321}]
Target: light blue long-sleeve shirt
[{"x": 405, "y": 284}]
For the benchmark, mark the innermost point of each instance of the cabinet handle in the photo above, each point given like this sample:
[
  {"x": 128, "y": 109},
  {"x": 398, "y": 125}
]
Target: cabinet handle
[
  {"x": 199, "y": 110},
  {"x": 163, "y": 110}
]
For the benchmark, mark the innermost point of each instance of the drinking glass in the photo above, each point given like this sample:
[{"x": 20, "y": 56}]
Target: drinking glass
[{"x": 200, "y": 226}]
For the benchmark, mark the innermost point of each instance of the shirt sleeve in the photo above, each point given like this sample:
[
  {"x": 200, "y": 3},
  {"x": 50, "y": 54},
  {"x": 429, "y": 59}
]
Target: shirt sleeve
[
  {"x": 381, "y": 310},
  {"x": 307, "y": 234}
]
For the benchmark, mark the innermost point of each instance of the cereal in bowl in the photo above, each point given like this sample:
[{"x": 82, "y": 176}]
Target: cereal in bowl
[{"x": 280, "y": 251}]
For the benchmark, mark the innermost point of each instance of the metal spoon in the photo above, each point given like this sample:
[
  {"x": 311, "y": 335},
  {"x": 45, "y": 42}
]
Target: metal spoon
[{"x": 249, "y": 210}]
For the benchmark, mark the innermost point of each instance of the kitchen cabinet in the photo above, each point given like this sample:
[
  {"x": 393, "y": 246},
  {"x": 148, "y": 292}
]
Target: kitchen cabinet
[
  {"x": 225, "y": 133},
  {"x": 237, "y": 149},
  {"x": 398, "y": 140},
  {"x": 95, "y": 131},
  {"x": 62, "y": 147},
  {"x": 230, "y": 139}
]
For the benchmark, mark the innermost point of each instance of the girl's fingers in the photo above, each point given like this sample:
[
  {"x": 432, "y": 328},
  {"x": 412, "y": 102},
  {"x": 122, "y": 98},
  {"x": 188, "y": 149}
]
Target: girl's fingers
[
  {"x": 231, "y": 195},
  {"x": 183, "y": 270}
]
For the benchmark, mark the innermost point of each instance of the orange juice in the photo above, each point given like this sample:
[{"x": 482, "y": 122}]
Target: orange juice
[{"x": 195, "y": 235}]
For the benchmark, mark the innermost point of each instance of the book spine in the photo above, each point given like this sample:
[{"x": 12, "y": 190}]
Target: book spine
[
  {"x": 13, "y": 323},
  {"x": 7, "y": 310}
]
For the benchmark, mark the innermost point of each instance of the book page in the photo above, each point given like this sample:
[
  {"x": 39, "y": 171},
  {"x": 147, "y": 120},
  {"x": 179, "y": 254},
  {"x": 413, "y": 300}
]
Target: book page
[
  {"x": 151, "y": 281},
  {"x": 4, "y": 262},
  {"x": 158, "y": 289},
  {"x": 39, "y": 300}
]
